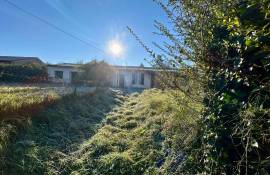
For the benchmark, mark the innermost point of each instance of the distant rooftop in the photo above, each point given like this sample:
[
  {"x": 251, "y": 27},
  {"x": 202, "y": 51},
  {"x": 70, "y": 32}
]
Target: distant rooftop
[
  {"x": 18, "y": 58},
  {"x": 64, "y": 65},
  {"x": 135, "y": 67}
]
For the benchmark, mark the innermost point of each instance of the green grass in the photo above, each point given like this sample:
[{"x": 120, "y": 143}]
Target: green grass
[
  {"x": 49, "y": 137},
  {"x": 21, "y": 102},
  {"x": 103, "y": 133},
  {"x": 17, "y": 105},
  {"x": 136, "y": 136}
]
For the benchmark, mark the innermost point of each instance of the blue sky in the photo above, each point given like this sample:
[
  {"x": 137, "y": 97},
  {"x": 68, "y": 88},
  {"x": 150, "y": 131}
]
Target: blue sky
[{"x": 94, "y": 21}]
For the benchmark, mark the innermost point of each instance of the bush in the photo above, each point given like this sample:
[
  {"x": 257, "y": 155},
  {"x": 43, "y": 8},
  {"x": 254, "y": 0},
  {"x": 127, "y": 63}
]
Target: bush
[
  {"x": 95, "y": 73},
  {"x": 29, "y": 73}
]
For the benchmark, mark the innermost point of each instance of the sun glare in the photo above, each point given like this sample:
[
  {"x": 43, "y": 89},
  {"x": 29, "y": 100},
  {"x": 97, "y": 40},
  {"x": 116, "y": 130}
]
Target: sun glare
[{"x": 115, "y": 48}]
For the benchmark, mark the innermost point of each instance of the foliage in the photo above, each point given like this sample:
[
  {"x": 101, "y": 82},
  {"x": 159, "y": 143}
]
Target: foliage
[
  {"x": 224, "y": 46},
  {"x": 27, "y": 73},
  {"x": 241, "y": 83},
  {"x": 97, "y": 73}
]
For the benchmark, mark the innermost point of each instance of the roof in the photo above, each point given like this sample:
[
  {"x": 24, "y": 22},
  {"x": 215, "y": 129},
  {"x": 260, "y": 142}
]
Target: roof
[
  {"x": 135, "y": 68},
  {"x": 18, "y": 58},
  {"x": 71, "y": 65}
]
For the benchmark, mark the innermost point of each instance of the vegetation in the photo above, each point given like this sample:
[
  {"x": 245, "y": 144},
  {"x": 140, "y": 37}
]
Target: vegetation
[
  {"x": 96, "y": 73},
  {"x": 223, "y": 46},
  {"x": 137, "y": 136},
  {"x": 39, "y": 144},
  {"x": 23, "y": 102},
  {"x": 17, "y": 105},
  {"x": 27, "y": 73},
  {"x": 221, "y": 50},
  {"x": 138, "y": 132}
]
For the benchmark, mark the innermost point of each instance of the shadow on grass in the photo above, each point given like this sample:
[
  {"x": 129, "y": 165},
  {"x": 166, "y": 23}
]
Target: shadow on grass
[{"x": 56, "y": 132}]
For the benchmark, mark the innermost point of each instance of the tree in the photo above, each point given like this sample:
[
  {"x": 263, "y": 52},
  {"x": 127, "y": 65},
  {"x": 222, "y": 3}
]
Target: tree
[{"x": 97, "y": 73}]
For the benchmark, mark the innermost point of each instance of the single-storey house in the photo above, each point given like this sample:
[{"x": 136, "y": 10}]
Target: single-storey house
[
  {"x": 19, "y": 60},
  {"x": 133, "y": 77},
  {"x": 62, "y": 73},
  {"x": 123, "y": 76}
]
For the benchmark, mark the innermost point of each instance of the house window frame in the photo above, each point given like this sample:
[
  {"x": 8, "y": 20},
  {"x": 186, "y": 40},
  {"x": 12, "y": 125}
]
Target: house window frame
[
  {"x": 73, "y": 75},
  {"x": 57, "y": 75},
  {"x": 142, "y": 79},
  {"x": 134, "y": 78}
]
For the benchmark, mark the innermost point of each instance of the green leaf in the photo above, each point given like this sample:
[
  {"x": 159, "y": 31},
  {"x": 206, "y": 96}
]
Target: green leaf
[{"x": 248, "y": 42}]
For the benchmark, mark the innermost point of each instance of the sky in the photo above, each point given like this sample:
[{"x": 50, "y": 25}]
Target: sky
[{"x": 96, "y": 22}]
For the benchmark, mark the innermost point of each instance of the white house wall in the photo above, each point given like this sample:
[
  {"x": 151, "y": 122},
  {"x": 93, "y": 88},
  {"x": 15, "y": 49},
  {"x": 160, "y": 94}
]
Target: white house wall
[
  {"x": 66, "y": 73},
  {"x": 128, "y": 79},
  {"x": 114, "y": 79}
]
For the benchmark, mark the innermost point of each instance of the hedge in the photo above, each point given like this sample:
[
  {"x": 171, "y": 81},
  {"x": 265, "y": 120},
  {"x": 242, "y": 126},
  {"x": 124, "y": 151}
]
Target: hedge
[{"x": 29, "y": 73}]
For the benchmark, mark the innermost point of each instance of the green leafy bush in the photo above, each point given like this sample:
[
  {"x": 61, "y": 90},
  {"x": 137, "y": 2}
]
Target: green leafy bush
[
  {"x": 28, "y": 73},
  {"x": 95, "y": 73},
  {"x": 225, "y": 46}
]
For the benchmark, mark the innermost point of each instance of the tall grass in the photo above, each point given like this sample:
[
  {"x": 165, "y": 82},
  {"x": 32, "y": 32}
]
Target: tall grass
[
  {"x": 50, "y": 136},
  {"x": 139, "y": 137},
  {"x": 104, "y": 133},
  {"x": 17, "y": 105},
  {"x": 21, "y": 102}
]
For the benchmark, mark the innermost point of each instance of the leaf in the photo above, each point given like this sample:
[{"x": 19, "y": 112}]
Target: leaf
[{"x": 248, "y": 42}]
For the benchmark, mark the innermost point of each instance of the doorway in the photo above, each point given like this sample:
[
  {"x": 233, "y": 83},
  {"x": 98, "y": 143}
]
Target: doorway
[{"x": 121, "y": 81}]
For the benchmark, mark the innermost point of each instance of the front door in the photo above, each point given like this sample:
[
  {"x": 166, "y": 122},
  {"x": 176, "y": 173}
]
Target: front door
[{"x": 121, "y": 81}]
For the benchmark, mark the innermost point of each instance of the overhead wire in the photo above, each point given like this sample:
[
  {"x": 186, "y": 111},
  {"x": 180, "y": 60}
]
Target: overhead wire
[{"x": 54, "y": 26}]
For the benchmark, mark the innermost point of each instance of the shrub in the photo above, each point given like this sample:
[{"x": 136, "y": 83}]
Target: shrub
[
  {"x": 29, "y": 73},
  {"x": 96, "y": 73}
]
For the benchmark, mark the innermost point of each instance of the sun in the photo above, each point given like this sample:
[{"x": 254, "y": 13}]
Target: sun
[{"x": 115, "y": 48}]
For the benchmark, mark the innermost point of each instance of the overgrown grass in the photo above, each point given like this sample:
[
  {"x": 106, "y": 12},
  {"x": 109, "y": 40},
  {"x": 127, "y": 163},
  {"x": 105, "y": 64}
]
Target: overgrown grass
[
  {"x": 21, "y": 102},
  {"x": 104, "y": 133},
  {"x": 50, "y": 136},
  {"x": 139, "y": 137},
  {"x": 17, "y": 105}
]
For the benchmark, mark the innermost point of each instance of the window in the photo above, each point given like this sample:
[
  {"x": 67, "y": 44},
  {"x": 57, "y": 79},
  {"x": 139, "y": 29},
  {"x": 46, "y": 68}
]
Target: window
[
  {"x": 58, "y": 74},
  {"x": 134, "y": 78},
  {"x": 74, "y": 76},
  {"x": 142, "y": 79}
]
